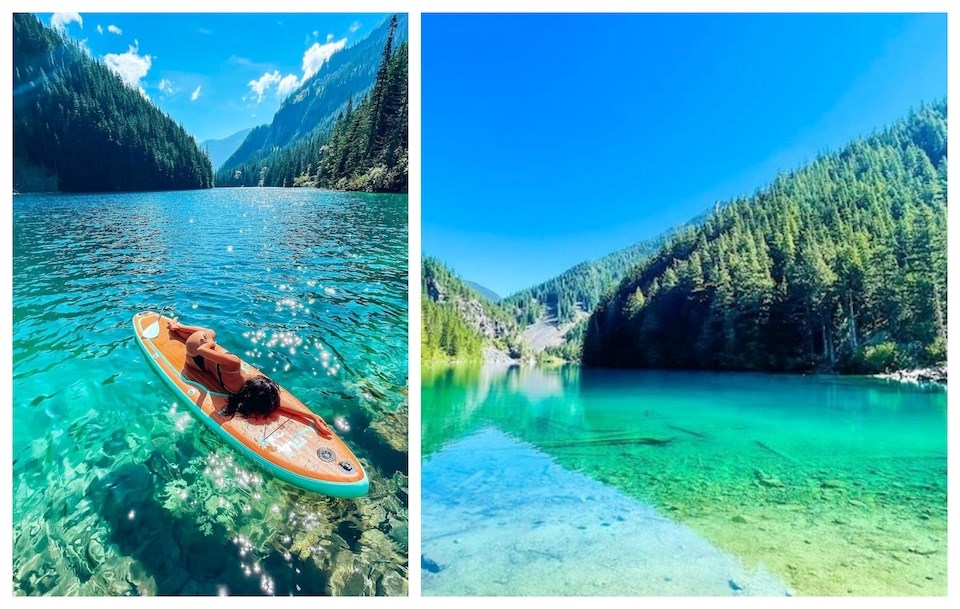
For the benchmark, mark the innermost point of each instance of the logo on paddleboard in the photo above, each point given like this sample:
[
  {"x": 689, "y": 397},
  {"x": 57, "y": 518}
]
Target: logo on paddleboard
[{"x": 326, "y": 454}]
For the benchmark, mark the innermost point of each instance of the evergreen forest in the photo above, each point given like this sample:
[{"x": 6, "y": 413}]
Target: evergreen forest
[
  {"x": 77, "y": 127},
  {"x": 838, "y": 266},
  {"x": 364, "y": 150},
  {"x": 579, "y": 289},
  {"x": 444, "y": 333}
]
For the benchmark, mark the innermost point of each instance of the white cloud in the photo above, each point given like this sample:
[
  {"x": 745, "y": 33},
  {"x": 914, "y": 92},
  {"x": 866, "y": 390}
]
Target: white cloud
[
  {"x": 195, "y": 94},
  {"x": 263, "y": 84},
  {"x": 288, "y": 85},
  {"x": 354, "y": 26},
  {"x": 165, "y": 86},
  {"x": 114, "y": 30},
  {"x": 131, "y": 67},
  {"x": 59, "y": 21},
  {"x": 283, "y": 85},
  {"x": 315, "y": 33},
  {"x": 313, "y": 60},
  {"x": 319, "y": 54},
  {"x": 99, "y": 29}
]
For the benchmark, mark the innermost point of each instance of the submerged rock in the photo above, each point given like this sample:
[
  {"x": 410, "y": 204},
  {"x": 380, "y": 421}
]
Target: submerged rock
[
  {"x": 391, "y": 429},
  {"x": 372, "y": 513},
  {"x": 142, "y": 582},
  {"x": 95, "y": 552},
  {"x": 400, "y": 534},
  {"x": 375, "y": 545},
  {"x": 401, "y": 483},
  {"x": 114, "y": 575},
  {"x": 767, "y": 480},
  {"x": 346, "y": 578},
  {"x": 392, "y": 583},
  {"x": 429, "y": 565},
  {"x": 386, "y": 439}
]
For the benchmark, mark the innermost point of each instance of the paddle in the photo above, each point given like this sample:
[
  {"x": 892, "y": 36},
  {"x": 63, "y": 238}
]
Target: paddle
[{"x": 153, "y": 330}]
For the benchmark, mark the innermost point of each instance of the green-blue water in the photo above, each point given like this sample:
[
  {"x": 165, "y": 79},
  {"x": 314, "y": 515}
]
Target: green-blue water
[
  {"x": 830, "y": 485},
  {"x": 117, "y": 489}
]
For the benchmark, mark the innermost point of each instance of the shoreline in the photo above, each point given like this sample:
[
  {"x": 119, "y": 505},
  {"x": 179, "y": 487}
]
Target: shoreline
[
  {"x": 495, "y": 358},
  {"x": 917, "y": 376}
]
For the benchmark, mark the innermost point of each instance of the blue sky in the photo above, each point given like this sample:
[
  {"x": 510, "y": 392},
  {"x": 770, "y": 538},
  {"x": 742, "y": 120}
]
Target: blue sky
[
  {"x": 552, "y": 139},
  {"x": 214, "y": 73}
]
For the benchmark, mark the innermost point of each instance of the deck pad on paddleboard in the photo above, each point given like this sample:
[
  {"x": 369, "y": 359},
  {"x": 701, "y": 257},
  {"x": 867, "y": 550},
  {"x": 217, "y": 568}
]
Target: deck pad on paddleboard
[{"x": 287, "y": 446}]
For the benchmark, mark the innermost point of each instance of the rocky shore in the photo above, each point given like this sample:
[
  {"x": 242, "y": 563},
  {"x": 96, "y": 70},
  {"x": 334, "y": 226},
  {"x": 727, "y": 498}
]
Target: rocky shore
[
  {"x": 935, "y": 374},
  {"x": 498, "y": 357}
]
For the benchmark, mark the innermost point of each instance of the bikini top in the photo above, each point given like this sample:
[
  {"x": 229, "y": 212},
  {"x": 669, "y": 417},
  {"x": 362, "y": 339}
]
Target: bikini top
[{"x": 201, "y": 363}]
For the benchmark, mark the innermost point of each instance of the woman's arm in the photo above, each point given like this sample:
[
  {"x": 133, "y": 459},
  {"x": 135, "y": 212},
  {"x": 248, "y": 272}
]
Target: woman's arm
[
  {"x": 228, "y": 361},
  {"x": 294, "y": 410}
]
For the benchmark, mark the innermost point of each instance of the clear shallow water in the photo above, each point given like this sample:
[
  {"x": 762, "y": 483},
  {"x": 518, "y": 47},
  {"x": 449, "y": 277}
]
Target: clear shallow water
[
  {"x": 832, "y": 485},
  {"x": 566, "y": 534},
  {"x": 119, "y": 490}
]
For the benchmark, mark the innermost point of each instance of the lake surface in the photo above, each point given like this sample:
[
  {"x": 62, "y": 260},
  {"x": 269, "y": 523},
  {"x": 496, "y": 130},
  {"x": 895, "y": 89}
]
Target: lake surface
[
  {"x": 573, "y": 481},
  {"x": 118, "y": 489}
]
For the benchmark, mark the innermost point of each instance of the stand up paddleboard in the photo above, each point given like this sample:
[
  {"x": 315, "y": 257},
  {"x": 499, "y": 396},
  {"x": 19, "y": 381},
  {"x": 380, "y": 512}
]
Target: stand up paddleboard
[{"x": 287, "y": 446}]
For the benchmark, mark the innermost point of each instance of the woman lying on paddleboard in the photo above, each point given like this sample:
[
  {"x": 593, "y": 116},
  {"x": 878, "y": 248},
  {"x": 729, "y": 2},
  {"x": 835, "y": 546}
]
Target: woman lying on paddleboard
[{"x": 249, "y": 395}]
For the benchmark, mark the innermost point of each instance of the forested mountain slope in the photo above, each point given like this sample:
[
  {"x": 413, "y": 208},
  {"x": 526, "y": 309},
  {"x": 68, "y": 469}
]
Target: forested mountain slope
[
  {"x": 456, "y": 321},
  {"x": 840, "y": 265},
  {"x": 77, "y": 127},
  {"x": 306, "y": 120}
]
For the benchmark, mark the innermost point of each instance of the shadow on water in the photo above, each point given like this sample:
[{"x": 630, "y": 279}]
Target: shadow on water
[
  {"x": 180, "y": 558},
  {"x": 387, "y": 459}
]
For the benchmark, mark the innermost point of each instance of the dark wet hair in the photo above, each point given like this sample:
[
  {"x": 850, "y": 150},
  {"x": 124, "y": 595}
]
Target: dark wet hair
[{"x": 258, "y": 397}]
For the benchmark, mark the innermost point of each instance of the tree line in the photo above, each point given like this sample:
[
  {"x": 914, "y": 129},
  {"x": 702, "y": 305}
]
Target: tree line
[
  {"x": 78, "y": 122},
  {"x": 839, "y": 266},
  {"x": 364, "y": 150},
  {"x": 578, "y": 290}
]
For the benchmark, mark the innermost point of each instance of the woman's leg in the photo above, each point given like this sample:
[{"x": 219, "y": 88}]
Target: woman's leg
[{"x": 183, "y": 332}]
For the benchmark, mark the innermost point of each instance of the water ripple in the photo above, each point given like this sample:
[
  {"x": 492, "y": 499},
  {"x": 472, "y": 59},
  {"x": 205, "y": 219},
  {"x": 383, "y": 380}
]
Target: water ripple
[{"x": 117, "y": 489}]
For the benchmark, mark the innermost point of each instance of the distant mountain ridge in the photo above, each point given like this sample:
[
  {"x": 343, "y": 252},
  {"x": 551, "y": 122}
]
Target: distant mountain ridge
[
  {"x": 347, "y": 75},
  {"x": 484, "y": 291},
  {"x": 219, "y": 150},
  {"x": 579, "y": 289}
]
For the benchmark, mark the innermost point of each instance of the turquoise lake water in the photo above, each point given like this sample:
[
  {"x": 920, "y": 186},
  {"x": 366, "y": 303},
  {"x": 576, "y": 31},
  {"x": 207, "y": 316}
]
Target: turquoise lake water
[
  {"x": 117, "y": 489},
  {"x": 570, "y": 481}
]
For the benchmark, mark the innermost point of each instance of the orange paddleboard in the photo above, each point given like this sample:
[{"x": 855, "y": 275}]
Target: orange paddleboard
[{"x": 288, "y": 447}]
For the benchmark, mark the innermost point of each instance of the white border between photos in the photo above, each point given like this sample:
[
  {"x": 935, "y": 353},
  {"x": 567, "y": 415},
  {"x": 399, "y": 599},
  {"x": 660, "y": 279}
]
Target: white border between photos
[{"x": 414, "y": 8}]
